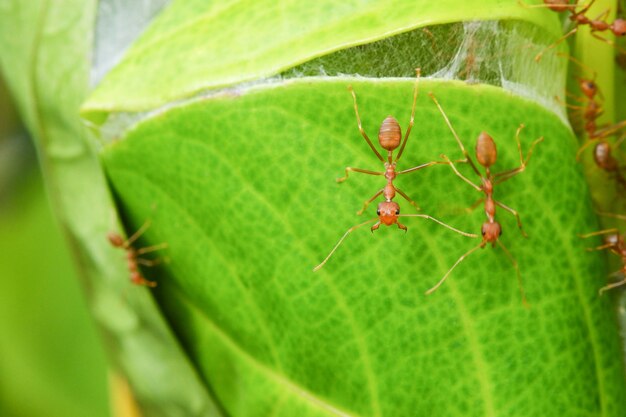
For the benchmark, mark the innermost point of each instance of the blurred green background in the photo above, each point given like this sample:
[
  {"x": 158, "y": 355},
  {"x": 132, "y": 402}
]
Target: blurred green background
[{"x": 52, "y": 361}]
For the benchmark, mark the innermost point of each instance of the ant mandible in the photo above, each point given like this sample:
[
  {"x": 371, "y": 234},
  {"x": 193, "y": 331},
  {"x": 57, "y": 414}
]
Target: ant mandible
[
  {"x": 388, "y": 211},
  {"x": 133, "y": 255},
  {"x": 597, "y": 24},
  {"x": 486, "y": 154}
]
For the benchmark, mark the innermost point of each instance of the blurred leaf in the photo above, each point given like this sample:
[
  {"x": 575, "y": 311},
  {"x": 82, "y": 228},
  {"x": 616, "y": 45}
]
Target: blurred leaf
[
  {"x": 48, "y": 345},
  {"x": 46, "y": 49},
  {"x": 242, "y": 188},
  {"x": 197, "y": 45}
]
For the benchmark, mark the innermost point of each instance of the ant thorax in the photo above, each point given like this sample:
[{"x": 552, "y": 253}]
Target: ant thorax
[{"x": 390, "y": 171}]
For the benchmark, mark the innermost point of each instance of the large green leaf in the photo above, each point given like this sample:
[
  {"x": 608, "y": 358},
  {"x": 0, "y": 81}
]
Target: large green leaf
[
  {"x": 197, "y": 45},
  {"x": 242, "y": 188}
]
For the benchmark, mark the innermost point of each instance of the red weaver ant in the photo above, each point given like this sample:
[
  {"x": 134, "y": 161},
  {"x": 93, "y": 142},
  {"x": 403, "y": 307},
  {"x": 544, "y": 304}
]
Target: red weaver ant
[
  {"x": 389, "y": 137},
  {"x": 614, "y": 242},
  {"x": 597, "y": 24},
  {"x": 133, "y": 255},
  {"x": 486, "y": 154},
  {"x": 591, "y": 110}
]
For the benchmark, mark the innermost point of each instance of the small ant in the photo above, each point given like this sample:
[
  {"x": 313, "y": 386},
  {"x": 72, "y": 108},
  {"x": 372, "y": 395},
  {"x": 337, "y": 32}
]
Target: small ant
[
  {"x": 133, "y": 255},
  {"x": 486, "y": 154},
  {"x": 598, "y": 24},
  {"x": 591, "y": 110},
  {"x": 614, "y": 242},
  {"x": 389, "y": 137}
]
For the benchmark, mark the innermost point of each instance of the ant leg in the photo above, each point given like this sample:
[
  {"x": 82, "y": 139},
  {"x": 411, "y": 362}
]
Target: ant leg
[
  {"x": 515, "y": 213},
  {"x": 579, "y": 63},
  {"x": 603, "y": 15},
  {"x": 367, "y": 203},
  {"x": 418, "y": 72},
  {"x": 426, "y": 165},
  {"x": 618, "y": 142},
  {"x": 544, "y": 6},
  {"x": 558, "y": 41},
  {"x": 147, "y": 249},
  {"x": 503, "y": 176},
  {"x": 610, "y": 130},
  {"x": 601, "y": 247},
  {"x": 519, "y": 275},
  {"x": 608, "y": 42},
  {"x": 584, "y": 146},
  {"x": 458, "y": 140},
  {"x": 362, "y": 171},
  {"x": 350, "y": 230},
  {"x": 612, "y": 215},
  {"x": 149, "y": 262},
  {"x": 139, "y": 279},
  {"x": 475, "y": 205},
  {"x": 456, "y": 171},
  {"x": 441, "y": 281},
  {"x": 598, "y": 233},
  {"x": 138, "y": 233},
  {"x": 406, "y": 197},
  {"x": 358, "y": 120},
  {"x": 613, "y": 285},
  {"x": 426, "y": 216},
  {"x": 569, "y": 106},
  {"x": 584, "y": 9}
]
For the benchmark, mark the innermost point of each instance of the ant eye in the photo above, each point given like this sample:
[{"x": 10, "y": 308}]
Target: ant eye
[
  {"x": 482, "y": 232},
  {"x": 397, "y": 212},
  {"x": 500, "y": 233},
  {"x": 378, "y": 212}
]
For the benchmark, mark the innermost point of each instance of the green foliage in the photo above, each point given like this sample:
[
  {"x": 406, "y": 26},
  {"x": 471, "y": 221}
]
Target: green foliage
[
  {"x": 48, "y": 344},
  {"x": 236, "y": 171}
]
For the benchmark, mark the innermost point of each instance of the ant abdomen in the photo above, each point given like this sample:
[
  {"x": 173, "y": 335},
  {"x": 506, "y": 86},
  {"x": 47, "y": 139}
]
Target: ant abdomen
[
  {"x": 390, "y": 134},
  {"x": 603, "y": 158},
  {"x": 486, "y": 151}
]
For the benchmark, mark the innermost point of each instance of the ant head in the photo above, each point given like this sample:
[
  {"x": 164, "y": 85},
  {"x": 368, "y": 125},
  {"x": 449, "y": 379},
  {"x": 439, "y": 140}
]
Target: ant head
[
  {"x": 486, "y": 151},
  {"x": 619, "y": 27},
  {"x": 388, "y": 212},
  {"x": 115, "y": 239},
  {"x": 588, "y": 87},
  {"x": 390, "y": 134},
  {"x": 491, "y": 231}
]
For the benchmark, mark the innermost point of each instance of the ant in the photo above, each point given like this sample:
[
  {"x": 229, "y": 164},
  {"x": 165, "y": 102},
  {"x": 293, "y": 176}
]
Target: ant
[
  {"x": 591, "y": 110},
  {"x": 614, "y": 242},
  {"x": 389, "y": 137},
  {"x": 597, "y": 24},
  {"x": 133, "y": 255},
  {"x": 486, "y": 154}
]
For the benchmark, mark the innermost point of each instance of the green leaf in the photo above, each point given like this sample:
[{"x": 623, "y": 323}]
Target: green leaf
[
  {"x": 46, "y": 48},
  {"x": 197, "y": 45},
  {"x": 242, "y": 188}
]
